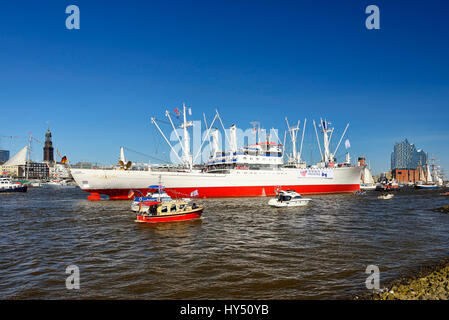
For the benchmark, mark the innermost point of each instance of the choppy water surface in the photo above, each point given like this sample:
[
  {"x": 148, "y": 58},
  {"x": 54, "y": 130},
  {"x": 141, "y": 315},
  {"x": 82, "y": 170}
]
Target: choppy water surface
[{"x": 241, "y": 249}]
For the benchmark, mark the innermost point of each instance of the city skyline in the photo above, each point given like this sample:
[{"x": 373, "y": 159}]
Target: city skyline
[{"x": 99, "y": 85}]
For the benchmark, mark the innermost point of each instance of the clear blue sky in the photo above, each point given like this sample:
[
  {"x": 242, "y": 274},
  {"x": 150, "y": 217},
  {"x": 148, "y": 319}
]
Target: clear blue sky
[{"x": 254, "y": 60}]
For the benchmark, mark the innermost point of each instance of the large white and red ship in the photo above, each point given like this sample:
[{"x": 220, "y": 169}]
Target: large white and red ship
[{"x": 253, "y": 170}]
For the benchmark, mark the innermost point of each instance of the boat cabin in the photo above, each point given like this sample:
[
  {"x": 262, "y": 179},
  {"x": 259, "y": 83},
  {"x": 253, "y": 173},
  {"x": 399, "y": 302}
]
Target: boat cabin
[
  {"x": 169, "y": 208},
  {"x": 288, "y": 195}
]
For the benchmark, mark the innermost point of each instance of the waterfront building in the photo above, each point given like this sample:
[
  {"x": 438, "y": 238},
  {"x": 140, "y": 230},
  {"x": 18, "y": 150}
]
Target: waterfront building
[
  {"x": 33, "y": 170},
  {"x": 4, "y": 156},
  {"x": 59, "y": 171},
  {"x": 11, "y": 167},
  {"x": 406, "y": 156},
  {"x": 407, "y": 162},
  {"x": 383, "y": 176},
  {"x": 20, "y": 167}
]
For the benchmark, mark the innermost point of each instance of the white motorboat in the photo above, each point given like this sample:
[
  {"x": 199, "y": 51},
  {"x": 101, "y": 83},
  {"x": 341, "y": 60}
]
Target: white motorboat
[
  {"x": 288, "y": 198},
  {"x": 385, "y": 196}
]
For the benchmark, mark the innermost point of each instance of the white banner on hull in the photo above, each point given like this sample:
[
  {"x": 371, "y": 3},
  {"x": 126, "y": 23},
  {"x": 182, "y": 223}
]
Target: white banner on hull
[{"x": 323, "y": 173}]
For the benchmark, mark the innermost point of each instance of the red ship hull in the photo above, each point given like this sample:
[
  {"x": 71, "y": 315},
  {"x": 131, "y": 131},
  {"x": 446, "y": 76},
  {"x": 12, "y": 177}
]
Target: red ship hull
[{"x": 221, "y": 192}]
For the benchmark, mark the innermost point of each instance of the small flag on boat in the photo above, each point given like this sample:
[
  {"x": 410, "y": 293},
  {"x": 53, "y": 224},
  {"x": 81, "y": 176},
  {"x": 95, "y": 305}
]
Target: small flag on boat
[
  {"x": 194, "y": 193},
  {"x": 130, "y": 194},
  {"x": 347, "y": 144},
  {"x": 64, "y": 159},
  {"x": 190, "y": 111}
]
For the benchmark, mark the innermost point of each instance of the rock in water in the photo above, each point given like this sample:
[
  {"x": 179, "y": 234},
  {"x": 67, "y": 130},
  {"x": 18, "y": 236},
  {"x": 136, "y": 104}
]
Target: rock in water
[{"x": 444, "y": 209}]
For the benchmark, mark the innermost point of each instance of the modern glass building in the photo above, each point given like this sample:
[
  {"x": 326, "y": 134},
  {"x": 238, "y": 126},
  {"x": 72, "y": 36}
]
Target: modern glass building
[
  {"x": 406, "y": 156},
  {"x": 4, "y": 156}
]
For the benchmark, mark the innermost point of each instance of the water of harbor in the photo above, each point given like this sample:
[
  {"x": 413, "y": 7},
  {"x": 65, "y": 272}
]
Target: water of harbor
[{"x": 241, "y": 249}]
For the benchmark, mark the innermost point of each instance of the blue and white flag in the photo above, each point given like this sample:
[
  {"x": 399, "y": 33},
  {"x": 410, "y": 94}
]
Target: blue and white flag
[
  {"x": 194, "y": 193},
  {"x": 347, "y": 144}
]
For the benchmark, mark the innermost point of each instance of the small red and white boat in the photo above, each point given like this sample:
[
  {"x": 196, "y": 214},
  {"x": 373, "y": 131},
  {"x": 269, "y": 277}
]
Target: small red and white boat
[{"x": 168, "y": 212}]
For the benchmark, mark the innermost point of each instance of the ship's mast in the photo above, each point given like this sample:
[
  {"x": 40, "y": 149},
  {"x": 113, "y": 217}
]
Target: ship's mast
[
  {"x": 185, "y": 144},
  {"x": 293, "y": 131},
  {"x": 325, "y": 130},
  {"x": 302, "y": 139},
  {"x": 186, "y": 156},
  {"x": 27, "y": 167},
  {"x": 429, "y": 175}
]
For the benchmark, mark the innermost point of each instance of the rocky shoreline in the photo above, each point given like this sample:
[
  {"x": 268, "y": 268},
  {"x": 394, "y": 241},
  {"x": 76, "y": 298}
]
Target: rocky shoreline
[{"x": 430, "y": 283}]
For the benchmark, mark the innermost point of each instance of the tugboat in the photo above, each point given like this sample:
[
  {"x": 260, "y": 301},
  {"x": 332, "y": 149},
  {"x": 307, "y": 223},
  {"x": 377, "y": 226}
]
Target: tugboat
[
  {"x": 6, "y": 185},
  {"x": 169, "y": 211},
  {"x": 288, "y": 198}
]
